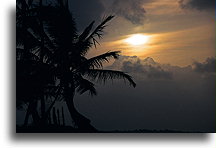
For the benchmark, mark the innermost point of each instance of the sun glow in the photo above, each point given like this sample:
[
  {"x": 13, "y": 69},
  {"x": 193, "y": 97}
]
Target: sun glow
[{"x": 137, "y": 39}]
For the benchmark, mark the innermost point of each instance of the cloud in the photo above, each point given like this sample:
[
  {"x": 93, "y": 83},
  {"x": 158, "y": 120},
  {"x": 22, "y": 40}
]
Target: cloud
[
  {"x": 144, "y": 69},
  {"x": 198, "y": 4},
  {"x": 132, "y": 10},
  {"x": 207, "y": 66},
  {"x": 86, "y": 11}
]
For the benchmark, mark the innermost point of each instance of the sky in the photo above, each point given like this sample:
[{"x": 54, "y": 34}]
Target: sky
[
  {"x": 174, "y": 68},
  {"x": 178, "y": 31}
]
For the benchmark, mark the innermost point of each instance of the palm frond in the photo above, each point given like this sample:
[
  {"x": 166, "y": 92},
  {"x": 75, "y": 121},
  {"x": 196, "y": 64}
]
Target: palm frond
[
  {"x": 37, "y": 32},
  {"x": 99, "y": 29},
  {"x": 28, "y": 40},
  {"x": 101, "y": 75},
  {"x": 21, "y": 52},
  {"x": 91, "y": 39},
  {"x": 97, "y": 62},
  {"x": 85, "y": 85},
  {"x": 86, "y": 32},
  {"x": 60, "y": 26}
]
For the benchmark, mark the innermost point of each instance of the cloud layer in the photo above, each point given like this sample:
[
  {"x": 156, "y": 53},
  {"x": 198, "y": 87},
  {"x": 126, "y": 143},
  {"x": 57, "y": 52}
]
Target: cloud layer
[
  {"x": 198, "y": 4},
  {"x": 206, "y": 67},
  {"x": 131, "y": 10},
  {"x": 143, "y": 69}
]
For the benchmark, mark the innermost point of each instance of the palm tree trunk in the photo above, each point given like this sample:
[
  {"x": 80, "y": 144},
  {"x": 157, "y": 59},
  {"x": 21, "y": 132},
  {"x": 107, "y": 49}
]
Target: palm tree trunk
[
  {"x": 81, "y": 122},
  {"x": 43, "y": 109},
  {"x": 63, "y": 118},
  {"x": 58, "y": 117},
  {"x": 32, "y": 110},
  {"x": 54, "y": 116},
  {"x": 28, "y": 112}
]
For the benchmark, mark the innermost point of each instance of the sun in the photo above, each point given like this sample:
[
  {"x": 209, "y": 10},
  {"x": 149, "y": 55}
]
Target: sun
[{"x": 137, "y": 39}]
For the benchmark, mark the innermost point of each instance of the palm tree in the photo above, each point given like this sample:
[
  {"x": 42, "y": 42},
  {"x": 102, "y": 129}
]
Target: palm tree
[
  {"x": 62, "y": 50},
  {"x": 74, "y": 70},
  {"x": 34, "y": 78},
  {"x": 25, "y": 61}
]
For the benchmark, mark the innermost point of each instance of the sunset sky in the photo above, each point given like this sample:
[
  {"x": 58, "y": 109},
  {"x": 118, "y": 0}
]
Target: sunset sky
[
  {"x": 168, "y": 47},
  {"x": 173, "y": 64},
  {"x": 178, "y": 32}
]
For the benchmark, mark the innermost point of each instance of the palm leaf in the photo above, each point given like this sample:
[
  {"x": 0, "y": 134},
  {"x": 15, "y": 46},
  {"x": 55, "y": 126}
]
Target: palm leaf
[
  {"x": 84, "y": 85},
  {"x": 97, "y": 62},
  {"x": 99, "y": 29},
  {"x": 91, "y": 39},
  {"x": 30, "y": 40},
  {"x": 86, "y": 32},
  {"x": 101, "y": 75},
  {"x": 21, "y": 52},
  {"x": 60, "y": 26}
]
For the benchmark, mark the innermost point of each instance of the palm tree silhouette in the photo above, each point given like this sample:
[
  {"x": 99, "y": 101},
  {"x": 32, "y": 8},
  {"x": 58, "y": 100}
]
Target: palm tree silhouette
[
  {"x": 34, "y": 78},
  {"x": 61, "y": 56}
]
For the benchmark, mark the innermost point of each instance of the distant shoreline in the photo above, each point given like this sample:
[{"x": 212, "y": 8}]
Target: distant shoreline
[{"x": 69, "y": 129}]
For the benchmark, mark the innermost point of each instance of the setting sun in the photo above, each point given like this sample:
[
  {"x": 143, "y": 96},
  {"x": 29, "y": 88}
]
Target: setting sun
[{"x": 137, "y": 39}]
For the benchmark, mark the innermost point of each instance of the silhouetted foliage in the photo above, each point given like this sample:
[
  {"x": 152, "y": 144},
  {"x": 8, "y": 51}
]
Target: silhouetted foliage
[{"x": 51, "y": 62}]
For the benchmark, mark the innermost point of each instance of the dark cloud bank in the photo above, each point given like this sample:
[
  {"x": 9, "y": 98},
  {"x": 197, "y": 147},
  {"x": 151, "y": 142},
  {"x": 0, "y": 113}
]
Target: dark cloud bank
[
  {"x": 207, "y": 67},
  {"x": 166, "y": 97},
  {"x": 198, "y": 4},
  {"x": 131, "y": 10}
]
